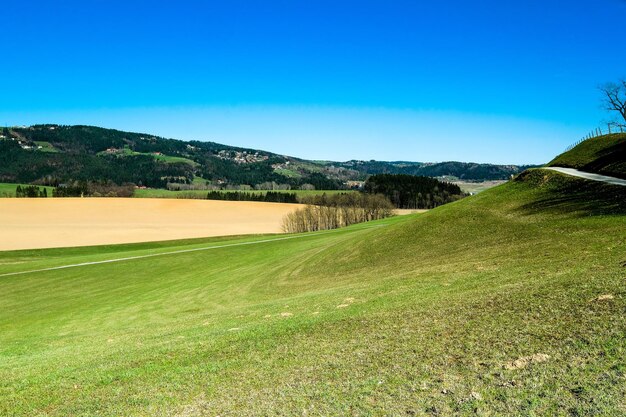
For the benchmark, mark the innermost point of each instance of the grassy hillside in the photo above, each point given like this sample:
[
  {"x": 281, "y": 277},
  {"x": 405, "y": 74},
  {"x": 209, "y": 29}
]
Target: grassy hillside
[
  {"x": 603, "y": 155},
  {"x": 510, "y": 302},
  {"x": 126, "y": 151}
]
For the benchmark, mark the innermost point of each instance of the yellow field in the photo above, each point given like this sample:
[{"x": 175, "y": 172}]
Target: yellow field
[
  {"x": 28, "y": 223},
  {"x": 402, "y": 212}
]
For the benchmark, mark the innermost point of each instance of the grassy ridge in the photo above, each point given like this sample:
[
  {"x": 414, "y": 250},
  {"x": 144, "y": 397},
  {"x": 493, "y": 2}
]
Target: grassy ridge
[
  {"x": 489, "y": 305},
  {"x": 603, "y": 155}
]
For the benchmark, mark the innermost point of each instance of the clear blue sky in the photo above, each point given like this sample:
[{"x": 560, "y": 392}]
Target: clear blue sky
[{"x": 487, "y": 81}]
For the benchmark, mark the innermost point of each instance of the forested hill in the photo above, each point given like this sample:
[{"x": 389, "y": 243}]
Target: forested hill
[
  {"x": 54, "y": 154},
  {"x": 470, "y": 171}
]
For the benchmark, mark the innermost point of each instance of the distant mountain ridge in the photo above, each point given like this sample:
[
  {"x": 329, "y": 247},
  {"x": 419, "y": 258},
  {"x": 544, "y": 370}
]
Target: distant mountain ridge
[
  {"x": 52, "y": 154},
  {"x": 469, "y": 171}
]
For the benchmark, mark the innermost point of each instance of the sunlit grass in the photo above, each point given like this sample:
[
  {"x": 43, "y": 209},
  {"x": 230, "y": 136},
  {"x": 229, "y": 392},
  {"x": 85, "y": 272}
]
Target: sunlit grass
[{"x": 510, "y": 302}]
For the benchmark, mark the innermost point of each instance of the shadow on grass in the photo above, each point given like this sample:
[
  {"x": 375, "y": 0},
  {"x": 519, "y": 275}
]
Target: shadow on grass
[
  {"x": 559, "y": 194},
  {"x": 610, "y": 161}
]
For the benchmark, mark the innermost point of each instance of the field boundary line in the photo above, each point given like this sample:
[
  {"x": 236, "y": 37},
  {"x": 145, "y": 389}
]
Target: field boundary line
[{"x": 152, "y": 255}]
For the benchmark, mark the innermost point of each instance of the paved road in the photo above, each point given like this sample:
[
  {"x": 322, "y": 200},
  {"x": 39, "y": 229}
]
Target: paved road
[{"x": 589, "y": 175}]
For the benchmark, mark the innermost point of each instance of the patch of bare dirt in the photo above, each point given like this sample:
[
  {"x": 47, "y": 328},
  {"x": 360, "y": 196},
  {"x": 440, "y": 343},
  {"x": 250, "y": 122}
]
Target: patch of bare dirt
[
  {"x": 404, "y": 212},
  {"x": 605, "y": 297},
  {"x": 346, "y": 302},
  {"x": 525, "y": 361}
]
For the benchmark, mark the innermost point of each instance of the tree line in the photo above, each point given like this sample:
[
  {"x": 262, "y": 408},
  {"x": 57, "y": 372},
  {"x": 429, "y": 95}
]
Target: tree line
[
  {"x": 413, "y": 192},
  {"x": 31, "y": 191},
  {"x": 93, "y": 189},
  {"x": 325, "y": 212},
  {"x": 269, "y": 197}
]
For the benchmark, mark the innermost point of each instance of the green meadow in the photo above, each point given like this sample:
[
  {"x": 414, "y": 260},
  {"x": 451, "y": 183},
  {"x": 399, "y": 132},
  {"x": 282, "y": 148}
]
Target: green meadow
[
  {"x": 161, "y": 193},
  {"x": 126, "y": 151},
  {"x": 509, "y": 302},
  {"x": 8, "y": 189}
]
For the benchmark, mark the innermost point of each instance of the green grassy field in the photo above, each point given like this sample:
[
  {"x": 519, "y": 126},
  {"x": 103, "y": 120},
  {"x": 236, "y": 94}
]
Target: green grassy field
[
  {"x": 510, "y": 302},
  {"x": 8, "y": 189},
  {"x": 289, "y": 173},
  {"x": 171, "y": 159},
  {"x": 46, "y": 147},
  {"x": 604, "y": 155},
  {"x": 126, "y": 151},
  {"x": 161, "y": 193}
]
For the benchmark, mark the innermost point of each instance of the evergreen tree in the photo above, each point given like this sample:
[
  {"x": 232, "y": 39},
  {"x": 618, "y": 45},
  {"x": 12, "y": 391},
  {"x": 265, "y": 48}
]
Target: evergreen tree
[{"x": 413, "y": 192}]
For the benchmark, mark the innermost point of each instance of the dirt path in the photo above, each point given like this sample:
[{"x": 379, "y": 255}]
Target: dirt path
[
  {"x": 588, "y": 175},
  {"x": 28, "y": 223}
]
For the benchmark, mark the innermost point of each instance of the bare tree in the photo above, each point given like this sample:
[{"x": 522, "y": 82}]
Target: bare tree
[
  {"x": 615, "y": 99},
  {"x": 324, "y": 212}
]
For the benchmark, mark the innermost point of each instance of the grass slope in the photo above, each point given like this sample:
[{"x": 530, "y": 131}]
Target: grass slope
[
  {"x": 46, "y": 147},
  {"x": 510, "y": 302},
  {"x": 603, "y": 155}
]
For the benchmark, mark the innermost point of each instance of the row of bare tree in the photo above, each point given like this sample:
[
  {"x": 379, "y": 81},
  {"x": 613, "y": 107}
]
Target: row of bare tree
[{"x": 327, "y": 212}]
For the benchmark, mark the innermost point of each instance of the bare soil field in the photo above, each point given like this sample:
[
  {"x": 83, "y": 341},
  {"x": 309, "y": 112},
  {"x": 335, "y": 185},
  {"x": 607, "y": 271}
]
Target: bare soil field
[
  {"x": 29, "y": 223},
  {"x": 403, "y": 212}
]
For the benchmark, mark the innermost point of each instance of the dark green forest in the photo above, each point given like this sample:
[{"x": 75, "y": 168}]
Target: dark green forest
[
  {"x": 19, "y": 165},
  {"x": 268, "y": 197},
  {"x": 30, "y": 191},
  {"x": 413, "y": 192},
  {"x": 467, "y": 171}
]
